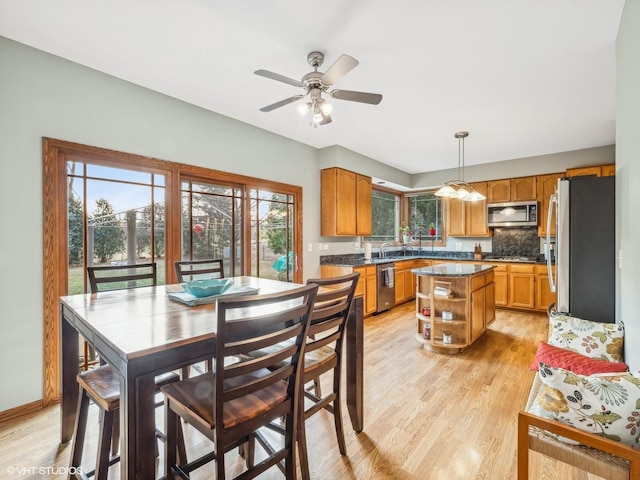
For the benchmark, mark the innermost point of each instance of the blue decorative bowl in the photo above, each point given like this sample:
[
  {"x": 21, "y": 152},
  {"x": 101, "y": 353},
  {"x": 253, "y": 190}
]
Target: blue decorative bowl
[{"x": 207, "y": 287}]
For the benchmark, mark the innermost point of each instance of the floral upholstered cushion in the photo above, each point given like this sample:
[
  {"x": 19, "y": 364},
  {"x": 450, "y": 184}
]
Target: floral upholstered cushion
[
  {"x": 605, "y": 404},
  {"x": 575, "y": 362},
  {"x": 604, "y": 341}
]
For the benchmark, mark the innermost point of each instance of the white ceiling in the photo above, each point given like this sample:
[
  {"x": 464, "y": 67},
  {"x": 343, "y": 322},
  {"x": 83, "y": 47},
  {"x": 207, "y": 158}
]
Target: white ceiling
[{"x": 524, "y": 77}]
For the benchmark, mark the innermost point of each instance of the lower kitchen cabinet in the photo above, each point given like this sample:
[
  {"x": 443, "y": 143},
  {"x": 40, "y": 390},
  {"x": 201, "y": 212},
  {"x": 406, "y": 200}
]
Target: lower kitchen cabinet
[
  {"x": 367, "y": 283},
  {"x": 521, "y": 286},
  {"x": 406, "y": 280},
  {"x": 449, "y": 323},
  {"x": 501, "y": 281},
  {"x": 401, "y": 268},
  {"x": 544, "y": 295},
  {"x": 369, "y": 286}
]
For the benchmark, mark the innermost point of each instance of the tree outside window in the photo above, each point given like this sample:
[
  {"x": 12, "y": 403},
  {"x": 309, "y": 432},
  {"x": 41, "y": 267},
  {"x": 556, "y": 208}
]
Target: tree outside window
[
  {"x": 425, "y": 210},
  {"x": 385, "y": 216}
]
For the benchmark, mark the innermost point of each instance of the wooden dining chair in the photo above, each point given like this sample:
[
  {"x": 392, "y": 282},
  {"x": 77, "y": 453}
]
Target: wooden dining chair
[
  {"x": 187, "y": 270},
  {"x": 119, "y": 277},
  {"x": 323, "y": 355},
  {"x": 230, "y": 404},
  {"x": 101, "y": 385},
  {"x": 198, "y": 269}
]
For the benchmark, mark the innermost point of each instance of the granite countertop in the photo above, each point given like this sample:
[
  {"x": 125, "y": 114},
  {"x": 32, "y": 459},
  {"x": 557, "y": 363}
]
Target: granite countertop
[
  {"x": 452, "y": 269},
  {"x": 358, "y": 260}
]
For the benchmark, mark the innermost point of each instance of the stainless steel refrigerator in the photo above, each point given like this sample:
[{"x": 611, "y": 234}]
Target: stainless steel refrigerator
[{"x": 584, "y": 211}]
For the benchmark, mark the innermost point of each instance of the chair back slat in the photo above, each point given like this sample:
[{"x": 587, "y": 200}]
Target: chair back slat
[
  {"x": 120, "y": 277},
  {"x": 199, "y": 269}
]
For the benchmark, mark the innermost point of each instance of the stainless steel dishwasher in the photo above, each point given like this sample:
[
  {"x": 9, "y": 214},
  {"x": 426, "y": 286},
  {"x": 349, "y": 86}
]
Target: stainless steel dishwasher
[{"x": 386, "y": 273}]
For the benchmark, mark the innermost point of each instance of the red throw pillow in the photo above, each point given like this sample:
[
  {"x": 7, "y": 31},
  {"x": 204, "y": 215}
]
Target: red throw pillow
[{"x": 561, "y": 358}]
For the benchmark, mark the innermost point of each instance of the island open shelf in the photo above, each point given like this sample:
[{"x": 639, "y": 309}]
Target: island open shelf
[{"x": 455, "y": 303}]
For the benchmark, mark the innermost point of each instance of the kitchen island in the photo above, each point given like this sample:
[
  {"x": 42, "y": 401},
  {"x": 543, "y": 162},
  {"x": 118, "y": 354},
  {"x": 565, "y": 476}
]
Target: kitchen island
[{"x": 455, "y": 303}]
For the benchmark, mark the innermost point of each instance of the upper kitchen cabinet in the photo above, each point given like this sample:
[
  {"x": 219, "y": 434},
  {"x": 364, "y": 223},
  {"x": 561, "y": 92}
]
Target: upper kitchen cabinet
[
  {"x": 345, "y": 203},
  {"x": 512, "y": 190},
  {"x": 546, "y": 187},
  {"x": 468, "y": 219},
  {"x": 598, "y": 171}
]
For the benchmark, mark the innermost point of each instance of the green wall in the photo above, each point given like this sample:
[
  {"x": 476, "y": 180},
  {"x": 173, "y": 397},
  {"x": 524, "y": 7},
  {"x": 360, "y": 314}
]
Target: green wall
[{"x": 44, "y": 96}]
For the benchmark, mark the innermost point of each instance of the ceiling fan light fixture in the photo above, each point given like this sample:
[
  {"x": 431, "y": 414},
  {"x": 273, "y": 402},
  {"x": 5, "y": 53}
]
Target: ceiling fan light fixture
[
  {"x": 304, "y": 108},
  {"x": 317, "y": 115},
  {"x": 326, "y": 108}
]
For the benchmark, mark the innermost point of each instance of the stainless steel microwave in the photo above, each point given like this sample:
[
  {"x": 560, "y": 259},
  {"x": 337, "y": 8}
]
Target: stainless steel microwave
[{"x": 512, "y": 214}]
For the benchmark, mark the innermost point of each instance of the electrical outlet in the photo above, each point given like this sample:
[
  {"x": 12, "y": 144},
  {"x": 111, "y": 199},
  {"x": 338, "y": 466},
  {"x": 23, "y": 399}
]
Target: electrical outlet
[
  {"x": 458, "y": 246},
  {"x": 357, "y": 246},
  {"x": 325, "y": 246},
  {"x": 310, "y": 247}
]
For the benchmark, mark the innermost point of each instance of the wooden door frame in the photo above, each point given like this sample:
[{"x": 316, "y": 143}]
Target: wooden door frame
[{"x": 55, "y": 229}]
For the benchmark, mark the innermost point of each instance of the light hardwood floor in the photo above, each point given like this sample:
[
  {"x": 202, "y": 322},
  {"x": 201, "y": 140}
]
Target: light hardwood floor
[{"x": 427, "y": 415}]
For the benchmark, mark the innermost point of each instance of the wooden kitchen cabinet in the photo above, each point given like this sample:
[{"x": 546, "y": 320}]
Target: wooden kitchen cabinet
[
  {"x": 522, "y": 286},
  {"x": 363, "y": 205},
  {"x": 455, "y": 217},
  {"x": 367, "y": 283},
  {"x": 468, "y": 219},
  {"x": 608, "y": 170},
  {"x": 476, "y": 214},
  {"x": 410, "y": 278},
  {"x": 405, "y": 283},
  {"x": 501, "y": 280},
  {"x": 512, "y": 190},
  {"x": 345, "y": 203},
  {"x": 546, "y": 185},
  {"x": 597, "y": 170},
  {"x": 544, "y": 296},
  {"x": 401, "y": 268},
  {"x": 469, "y": 305},
  {"x": 523, "y": 188},
  {"x": 499, "y": 191}
]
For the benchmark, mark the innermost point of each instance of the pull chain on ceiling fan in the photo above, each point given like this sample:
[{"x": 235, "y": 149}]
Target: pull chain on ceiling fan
[{"x": 315, "y": 84}]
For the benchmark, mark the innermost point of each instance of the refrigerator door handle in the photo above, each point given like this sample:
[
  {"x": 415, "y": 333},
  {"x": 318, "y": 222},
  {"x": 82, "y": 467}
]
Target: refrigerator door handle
[{"x": 553, "y": 204}]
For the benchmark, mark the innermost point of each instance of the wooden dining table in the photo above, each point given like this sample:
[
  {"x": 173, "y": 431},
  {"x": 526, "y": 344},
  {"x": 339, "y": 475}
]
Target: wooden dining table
[{"x": 142, "y": 333}]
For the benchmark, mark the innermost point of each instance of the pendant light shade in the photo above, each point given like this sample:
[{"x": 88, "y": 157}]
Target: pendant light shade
[{"x": 459, "y": 188}]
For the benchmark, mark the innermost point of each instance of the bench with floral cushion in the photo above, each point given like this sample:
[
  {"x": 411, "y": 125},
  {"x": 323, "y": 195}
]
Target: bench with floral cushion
[{"x": 584, "y": 404}]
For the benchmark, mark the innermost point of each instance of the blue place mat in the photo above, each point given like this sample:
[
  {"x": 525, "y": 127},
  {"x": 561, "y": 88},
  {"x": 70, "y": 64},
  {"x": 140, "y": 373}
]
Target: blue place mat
[{"x": 191, "y": 300}]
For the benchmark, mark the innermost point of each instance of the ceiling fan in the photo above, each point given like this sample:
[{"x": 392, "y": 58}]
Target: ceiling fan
[{"x": 315, "y": 84}]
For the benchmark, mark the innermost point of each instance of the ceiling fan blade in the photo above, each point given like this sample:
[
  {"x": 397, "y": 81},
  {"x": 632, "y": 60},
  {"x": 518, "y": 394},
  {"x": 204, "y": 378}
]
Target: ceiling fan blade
[
  {"x": 340, "y": 68},
  {"x": 279, "y": 78},
  {"x": 281, "y": 103},
  {"x": 362, "y": 97}
]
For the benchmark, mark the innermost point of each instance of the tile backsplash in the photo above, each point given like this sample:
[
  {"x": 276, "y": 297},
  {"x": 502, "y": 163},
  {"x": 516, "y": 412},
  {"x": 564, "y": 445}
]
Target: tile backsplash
[{"x": 515, "y": 241}]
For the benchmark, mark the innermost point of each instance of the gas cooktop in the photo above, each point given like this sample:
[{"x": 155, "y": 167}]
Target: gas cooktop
[{"x": 513, "y": 258}]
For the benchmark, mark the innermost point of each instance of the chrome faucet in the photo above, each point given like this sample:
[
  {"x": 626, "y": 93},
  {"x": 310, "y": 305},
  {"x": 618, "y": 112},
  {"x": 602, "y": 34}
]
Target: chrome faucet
[{"x": 383, "y": 251}]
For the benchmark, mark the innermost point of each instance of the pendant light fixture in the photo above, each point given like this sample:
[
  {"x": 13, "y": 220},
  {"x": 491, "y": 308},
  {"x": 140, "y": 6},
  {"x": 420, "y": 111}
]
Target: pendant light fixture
[{"x": 459, "y": 188}]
